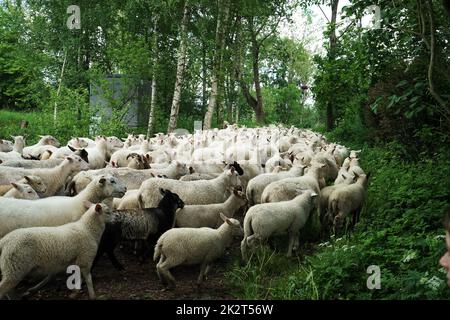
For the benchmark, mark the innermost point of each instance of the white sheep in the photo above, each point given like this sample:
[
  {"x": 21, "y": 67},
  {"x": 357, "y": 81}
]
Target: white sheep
[
  {"x": 97, "y": 155},
  {"x": 53, "y": 178},
  {"x": 21, "y": 191},
  {"x": 347, "y": 200},
  {"x": 55, "y": 211},
  {"x": 277, "y": 160},
  {"x": 266, "y": 219},
  {"x": 5, "y": 146},
  {"x": 16, "y": 153},
  {"x": 46, "y": 251},
  {"x": 45, "y": 143},
  {"x": 325, "y": 194},
  {"x": 190, "y": 246},
  {"x": 34, "y": 181},
  {"x": 207, "y": 215},
  {"x": 131, "y": 178},
  {"x": 256, "y": 186},
  {"x": 192, "y": 192},
  {"x": 287, "y": 189}
]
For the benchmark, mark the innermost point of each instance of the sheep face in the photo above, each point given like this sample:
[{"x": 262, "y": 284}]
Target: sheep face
[
  {"x": 36, "y": 183},
  {"x": 6, "y": 146},
  {"x": 234, "y": 179},
  {"x": 182, "y": 169},
  {"x": 25, "y": 191},
  {"x": 234, "y": 223},
  {"x": 98, "y": 211},
  {"x": 76, "y": 163},
  {"x": 112, "y": 187},
  {"x": 49, "y": 140},
  {"x": 173, "y": 198},
  {"x": 114, "y": 142},
  {"x": 77, "y": 143}
]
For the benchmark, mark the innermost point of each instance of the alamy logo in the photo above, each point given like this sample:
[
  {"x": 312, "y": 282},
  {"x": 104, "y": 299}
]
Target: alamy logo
[
  {"x": 374, "y": 280},
  {"x": 74, "y": 280},
  {"x": 74, "y": 20}
]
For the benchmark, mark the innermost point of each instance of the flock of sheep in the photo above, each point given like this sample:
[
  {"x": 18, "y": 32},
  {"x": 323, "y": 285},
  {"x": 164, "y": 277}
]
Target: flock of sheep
[{"x": 173, "y": 196}]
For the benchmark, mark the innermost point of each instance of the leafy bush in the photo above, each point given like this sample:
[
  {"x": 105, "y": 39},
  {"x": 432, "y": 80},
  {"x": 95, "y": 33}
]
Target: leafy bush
[{"x": 400, "y": 231}]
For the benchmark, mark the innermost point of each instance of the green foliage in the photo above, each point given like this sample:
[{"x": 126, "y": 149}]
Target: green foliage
[
  {"x": 400, "y": 230},
  {"x": 21, "y": 76}
]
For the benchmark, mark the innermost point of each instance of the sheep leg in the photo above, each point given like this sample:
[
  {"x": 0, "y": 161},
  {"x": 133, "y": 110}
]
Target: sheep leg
[
  {"x": 244, "y": 249},
  {"x": 160, "y": 275},
  {"x": 86, "y": 272},
  {"x": 338, "y": 222},
  {"x": 163, "y": 269},
  {"x": 7, "y": 286},
  {"x": 114, "y": 261},
  {"x": 291, "y": 244},
  {"x": 202, "y": 273},
  {"x": 38, "y": 286},
  {"x": 296, "y": 243}
]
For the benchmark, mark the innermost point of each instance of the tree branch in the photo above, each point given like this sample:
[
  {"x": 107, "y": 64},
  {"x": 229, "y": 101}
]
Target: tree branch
[{"x": 324, "y": 13}]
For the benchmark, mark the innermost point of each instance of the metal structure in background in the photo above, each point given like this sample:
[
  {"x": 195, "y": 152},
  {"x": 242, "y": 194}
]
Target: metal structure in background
[{"x": 126, "y": 97}]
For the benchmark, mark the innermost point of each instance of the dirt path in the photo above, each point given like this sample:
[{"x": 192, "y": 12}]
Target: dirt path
[{"x": 140, "y": 281}]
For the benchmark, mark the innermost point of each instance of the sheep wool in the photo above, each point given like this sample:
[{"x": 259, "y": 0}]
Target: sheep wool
[
  {"x": 266, "y": 219},
  {"x": 190, "y": 246},
  {"x": 46, "y": 251}
]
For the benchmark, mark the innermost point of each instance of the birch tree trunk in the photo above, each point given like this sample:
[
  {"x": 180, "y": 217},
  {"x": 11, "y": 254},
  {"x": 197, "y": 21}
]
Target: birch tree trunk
[
  {"x": 55, "y": 108},
  {"x": 151, "y": 116},
  {"x": 331, "y": 53},
  {"x": 222, "y": 18},
  {"x": 181, "y": 66}
]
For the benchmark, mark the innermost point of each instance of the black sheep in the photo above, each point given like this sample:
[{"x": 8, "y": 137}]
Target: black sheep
[{"x": 145, "y": 225}]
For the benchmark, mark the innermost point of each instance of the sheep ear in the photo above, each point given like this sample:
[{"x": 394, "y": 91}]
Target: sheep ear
[
  {"x": 15, "y": 185},
  {"x": 71, "y": 148},
  {"x": 162, "y": 191},
  {"x": 87, "y": 204},
  {"x": 224, "y": 217},
  {"x": 26, "y": 178},
  {"x": 98, "y": 208},
  {"x": 313, "y": 195}
]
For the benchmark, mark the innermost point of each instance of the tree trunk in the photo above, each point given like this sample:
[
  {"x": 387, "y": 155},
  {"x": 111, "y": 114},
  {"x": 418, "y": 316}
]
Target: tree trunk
[
  {"x": 181, "y": 66},
  {"x": 222, "y": 18},
  {"x": 204, "y": 73},
  {"x": 331, "y": 54},
  {"x": 151, "y": 116},
  {"x": 253, "y": 102},
  {"x": 259, "y": 110},
  {"x": 55, "y": 108}
]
